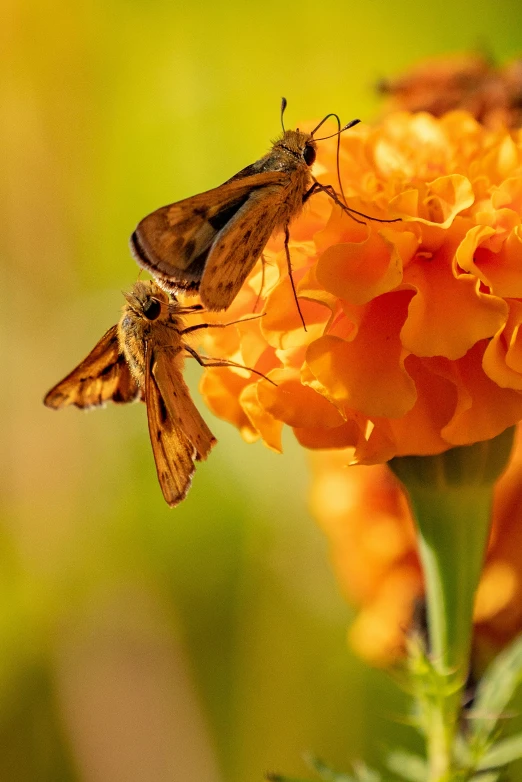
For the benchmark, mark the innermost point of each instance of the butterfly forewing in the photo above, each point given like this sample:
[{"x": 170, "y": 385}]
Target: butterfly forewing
[
  {"x": 237, "y": 248},
  {"x": 103, "y": 376},
  {"x": 173, "y": 242}
]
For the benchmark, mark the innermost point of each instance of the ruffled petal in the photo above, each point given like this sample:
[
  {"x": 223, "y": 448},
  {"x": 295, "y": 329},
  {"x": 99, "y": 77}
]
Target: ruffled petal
[
  {"x": 367, "y": 374},
  {"x": 503, "y": 355},
  {"x": 448, "y": 314},
  {"x": 295, "y": 404},
  {"x": 269, "y": 428},
  {"x": 358, "y": 272}
]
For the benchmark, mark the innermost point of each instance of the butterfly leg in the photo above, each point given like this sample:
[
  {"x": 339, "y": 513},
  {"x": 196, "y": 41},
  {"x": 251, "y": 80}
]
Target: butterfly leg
[
  {"x": 318, "y": 187},
  {"x": 315, "y": 188},
  {"x": 289, "y": 264},
  {"x": 206, "y": 361},
  {"x": 198, "y": 326}
]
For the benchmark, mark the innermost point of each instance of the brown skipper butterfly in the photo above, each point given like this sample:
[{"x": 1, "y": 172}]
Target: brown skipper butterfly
[
  {"x": 211, "y": 241},
  {"x": 142, "y": 358}
]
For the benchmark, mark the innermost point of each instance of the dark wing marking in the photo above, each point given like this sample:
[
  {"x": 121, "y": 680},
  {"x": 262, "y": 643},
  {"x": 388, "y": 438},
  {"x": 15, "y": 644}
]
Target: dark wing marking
[
  {"x": 173, "y": 242},
  {"x": 104, "y": 375}
]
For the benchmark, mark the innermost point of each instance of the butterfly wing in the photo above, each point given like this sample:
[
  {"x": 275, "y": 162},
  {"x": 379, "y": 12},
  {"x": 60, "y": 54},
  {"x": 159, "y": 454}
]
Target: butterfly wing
[
  {"x": 237, "y": 247},
  {"x": 104, "y": 375},
  {"x": 173, "y": 242},
  {"x": 178, "y": 433}
]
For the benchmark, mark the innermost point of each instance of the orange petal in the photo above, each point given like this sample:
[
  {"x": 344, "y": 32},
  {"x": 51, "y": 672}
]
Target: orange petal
[
  {"x": 449, "y": 195},
  {"x": 360, "y": 272},
  {"x": 378, "y": 631},
  {"x": 447, "y": 315},
  {"x": 420, "y": 430},
  {"x": 281, "y": 325},
  {"x": 345, "y": 436},
  {"x": 498, "y": 586},
  {"x": 221, "y": 389},
  {"x": 268, "y": 427},
  {"x": 483, "y": 409},
  {"x": 499, "y": 268},
  {"x": 368, "y": 373},
  {"x": 442, "y": 200},
  {"x": 502, "y": 159},
  {"x": 503, "y": 355},
  {"x": 296, "y": 404}
]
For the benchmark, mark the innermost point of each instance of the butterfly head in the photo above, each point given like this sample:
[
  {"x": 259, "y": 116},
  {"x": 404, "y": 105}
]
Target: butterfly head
[
  {"x": 299, "y": 144},
  {"x": 147, "y": 300}
]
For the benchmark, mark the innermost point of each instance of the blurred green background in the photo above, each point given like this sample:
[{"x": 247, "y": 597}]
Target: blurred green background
[{"x": 140, "y": 643}]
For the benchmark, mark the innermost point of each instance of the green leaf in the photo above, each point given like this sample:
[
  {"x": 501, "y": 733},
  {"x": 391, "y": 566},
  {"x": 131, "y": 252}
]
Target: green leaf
[
  {"x": 408, "y": 766},
  {"x": 462, "y": 752},
  {"x": 494, "y": 692},
  {"x": 502, "y": 753},
  {"x": 327, "y": 774},
  {"x": 362, "y": 772}
]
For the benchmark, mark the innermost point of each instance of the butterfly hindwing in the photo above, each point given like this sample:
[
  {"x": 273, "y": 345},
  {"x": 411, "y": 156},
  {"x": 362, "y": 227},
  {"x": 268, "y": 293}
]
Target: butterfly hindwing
[
  {"x": 181, "y": 406},
  {"x": 178, "y": 434}
]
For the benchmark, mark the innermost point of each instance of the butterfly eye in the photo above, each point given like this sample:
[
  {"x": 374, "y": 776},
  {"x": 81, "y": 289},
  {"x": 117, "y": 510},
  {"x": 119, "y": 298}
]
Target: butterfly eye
[
  {"x": 152, "y": 309},
  {"x": 309, "y": 155}
]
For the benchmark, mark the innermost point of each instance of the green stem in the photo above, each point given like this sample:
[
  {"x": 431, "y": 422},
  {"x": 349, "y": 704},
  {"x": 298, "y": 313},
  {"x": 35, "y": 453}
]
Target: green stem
[
  {"x": 453, "y": 532},
  {"x": 451, "y": 496}
]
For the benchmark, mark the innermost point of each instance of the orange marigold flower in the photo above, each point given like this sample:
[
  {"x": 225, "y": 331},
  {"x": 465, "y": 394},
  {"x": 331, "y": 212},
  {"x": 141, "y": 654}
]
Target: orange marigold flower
[
  {"x": 365, "y": 516},
  {"x": 460, "y": 81},
  {"x": 412, "y": 343}
]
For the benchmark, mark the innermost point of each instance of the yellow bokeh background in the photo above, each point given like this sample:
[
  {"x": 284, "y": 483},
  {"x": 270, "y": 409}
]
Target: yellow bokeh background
[{"x": 140, "y": 643}]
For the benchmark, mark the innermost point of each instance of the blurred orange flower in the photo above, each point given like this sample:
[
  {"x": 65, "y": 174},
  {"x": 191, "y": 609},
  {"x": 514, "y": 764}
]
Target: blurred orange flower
[
  {"x": 412, "y": 343},
  {"x": 492, "y": 94},
  {"x": 365, "y": 516}
]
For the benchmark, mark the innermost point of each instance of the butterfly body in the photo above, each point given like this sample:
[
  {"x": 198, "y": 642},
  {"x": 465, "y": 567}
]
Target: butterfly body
[
  {"x": 210, "y": 242},
  {"x": 138, "y": 332},
  {"x": 142, "y": 357}
]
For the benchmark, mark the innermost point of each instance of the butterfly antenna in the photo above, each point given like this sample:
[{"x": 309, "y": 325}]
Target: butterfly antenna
[
  {"x": 323, "y": 121},
  {"x": 338, "y": 133},
  {"x": 338, "y": 165},
  {"x": 338, "y": 154},
  {"x": 283, "y": 107}
]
